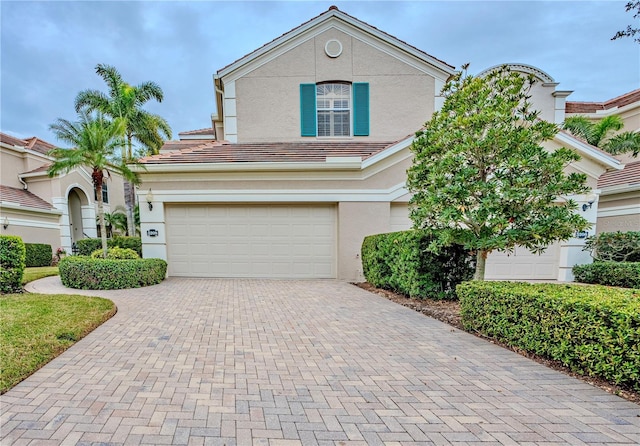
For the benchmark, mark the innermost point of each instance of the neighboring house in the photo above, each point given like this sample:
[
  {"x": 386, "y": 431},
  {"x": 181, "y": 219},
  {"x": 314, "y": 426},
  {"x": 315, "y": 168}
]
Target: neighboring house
[
  {"x": 619, "y": 208},
  {"x": 57, "y": 211},
  {"x": 307, "y": 155}
]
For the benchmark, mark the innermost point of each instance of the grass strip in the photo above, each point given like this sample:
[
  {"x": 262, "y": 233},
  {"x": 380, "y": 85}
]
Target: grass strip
[{"x": 35, "y": 328}]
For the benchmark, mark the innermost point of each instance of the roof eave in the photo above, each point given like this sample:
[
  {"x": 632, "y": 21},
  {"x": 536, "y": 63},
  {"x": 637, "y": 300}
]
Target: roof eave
[{"x": 585, "y": 149}]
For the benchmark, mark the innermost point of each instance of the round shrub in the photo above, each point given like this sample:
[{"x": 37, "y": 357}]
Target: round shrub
[
  {"x": 116, "y": 253},
  {"x": 86, "y": 273},
  {"x": 12, "y": 255}
]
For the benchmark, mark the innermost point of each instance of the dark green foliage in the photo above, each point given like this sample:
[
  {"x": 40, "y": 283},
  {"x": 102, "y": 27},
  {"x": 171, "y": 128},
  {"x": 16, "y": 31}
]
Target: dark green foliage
[
  {"x": 622, "y": 274},
  {"x": 401, "y": 261},
  {"x": 134, "y": 243},
  {"x": 12, "y": 254},
  {"x": 37, "y": 254},
  {"x": 88, "y": 245},
  {"x": 116, "y": 253},
  {"x": 615, "y": 246},
  {"x": 593, "y": 330},
  {"x": 105, "y": 274}
]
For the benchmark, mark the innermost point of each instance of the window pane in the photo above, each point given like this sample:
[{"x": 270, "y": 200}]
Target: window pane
[{"x": 333, "y": 103}]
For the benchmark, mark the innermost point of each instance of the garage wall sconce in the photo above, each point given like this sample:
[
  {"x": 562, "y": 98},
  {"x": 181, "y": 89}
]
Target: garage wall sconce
[
  {"x": 149, "y": 198},
  {"x": 5, "y": 223},
  {"x": 590, "y": 200}
]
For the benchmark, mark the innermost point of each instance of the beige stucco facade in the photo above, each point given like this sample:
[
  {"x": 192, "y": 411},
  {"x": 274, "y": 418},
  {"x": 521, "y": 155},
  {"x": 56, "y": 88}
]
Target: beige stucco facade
[
  {"x": 259, "y": 108},
  {"x": 53, "y": 210}
]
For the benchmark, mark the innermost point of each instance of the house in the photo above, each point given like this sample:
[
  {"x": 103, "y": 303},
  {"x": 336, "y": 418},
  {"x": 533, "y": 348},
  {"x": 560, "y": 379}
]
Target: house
[
  {"x": 619, "y": 207},
  {"x": 307, "y": 154},
  {"x": 56, "y": 211}
]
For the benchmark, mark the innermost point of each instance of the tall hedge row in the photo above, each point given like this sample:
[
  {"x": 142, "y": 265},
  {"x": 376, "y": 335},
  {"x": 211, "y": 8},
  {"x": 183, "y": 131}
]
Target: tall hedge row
[
  {"x": 400, "y": 261},
  {"x": 105, "y": 274},
  {"x": 12, "y": 255},
  {"x": 37, "y": 254},
  {"x": 594, "y": 330},
  {"x": 88, "y": 245}
]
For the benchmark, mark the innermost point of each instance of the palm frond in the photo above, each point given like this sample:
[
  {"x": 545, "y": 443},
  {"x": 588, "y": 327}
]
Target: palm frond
[
  {"x": 626, "y": 142},
  {"x": 579, "y": 126}
]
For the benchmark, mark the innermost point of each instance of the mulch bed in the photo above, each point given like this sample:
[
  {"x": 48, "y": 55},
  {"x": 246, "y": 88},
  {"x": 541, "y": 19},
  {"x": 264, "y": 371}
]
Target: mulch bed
[{"x": 448, "y": 312}]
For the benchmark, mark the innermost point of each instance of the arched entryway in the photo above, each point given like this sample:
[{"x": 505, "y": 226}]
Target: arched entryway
[{"x": 77, "y": 200}]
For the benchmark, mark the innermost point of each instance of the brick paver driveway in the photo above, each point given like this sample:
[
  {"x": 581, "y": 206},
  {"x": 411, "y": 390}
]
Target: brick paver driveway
[{"x": 297, "y": 362}]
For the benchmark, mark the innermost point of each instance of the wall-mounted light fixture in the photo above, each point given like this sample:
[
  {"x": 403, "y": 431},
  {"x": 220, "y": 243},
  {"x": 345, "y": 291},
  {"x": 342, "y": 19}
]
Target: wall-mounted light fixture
[
  {"x": 5, "y": 222},
  {"x": 149, "y": 198},
  {"x": 591, "y": 198}
]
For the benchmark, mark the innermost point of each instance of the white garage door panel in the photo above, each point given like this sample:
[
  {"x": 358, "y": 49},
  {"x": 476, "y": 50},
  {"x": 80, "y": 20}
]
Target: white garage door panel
[
  {"x": 285, "y": 241},
  {"x": 524, "y": 265}
]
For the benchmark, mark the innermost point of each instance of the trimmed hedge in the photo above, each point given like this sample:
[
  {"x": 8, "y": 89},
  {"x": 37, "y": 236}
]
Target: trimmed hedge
[
  {"x": 12, "y": 255},
  {"x": 593, "y": 330},
  {"x": 88, "y": 245},
  {"x": 622, "y": 274},
  {"x": 400, "y": 261},
  {"x": 37, "y": 254},
  {"x": 104, "y": 274}
]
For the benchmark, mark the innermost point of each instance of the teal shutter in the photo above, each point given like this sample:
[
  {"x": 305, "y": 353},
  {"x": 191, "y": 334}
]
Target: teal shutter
[
  {"x": 308, "y": 109},
  {"x": 360, "y": 109}
]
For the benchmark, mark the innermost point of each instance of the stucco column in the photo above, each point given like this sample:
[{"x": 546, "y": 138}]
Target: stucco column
[
  {"x": 89, "y": 223},
  {"x": 356, "y": 220},
  {"x": 571, "y": 251},
  {"x": 152, "y": 228},
  {"x": 61, "y": 204}
]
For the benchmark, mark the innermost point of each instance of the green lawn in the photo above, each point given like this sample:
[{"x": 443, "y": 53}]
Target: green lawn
[
  {"x": 31, "y": 274},
  {"x": 35, "y": 328}
]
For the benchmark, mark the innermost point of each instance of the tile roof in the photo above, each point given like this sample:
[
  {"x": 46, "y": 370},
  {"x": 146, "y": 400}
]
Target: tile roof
[
  {"x": 206, "y": 132},
  {"x": 628, "y": 176},
  {"x": 280, "y": 152},
  {"x": 170, "y": 146},
  {"x": 23, "y": 198},
  {"x": 33, "y": 143},
  {"x": 42, "y": 169},
  {"x": 592, "y": 107},
  {"x": 333, "y": 7}
]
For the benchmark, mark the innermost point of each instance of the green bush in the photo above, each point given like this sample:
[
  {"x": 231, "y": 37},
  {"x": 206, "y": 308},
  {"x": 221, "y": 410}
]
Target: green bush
[
  {"x": 37, "y": 254},
  {"x": 88, "y": 245},
  {"x": 12, "y": 255},
  {"x": 593, "y": 330},
  {"x": 622, "y": 274},
  {"x": 400, "y": 261},
  {"x": 116, "y": 254},
  {"x": 105, "y": 274},
  {"x": 134, "y": 243},
  {"x": 615, "y": 246}
]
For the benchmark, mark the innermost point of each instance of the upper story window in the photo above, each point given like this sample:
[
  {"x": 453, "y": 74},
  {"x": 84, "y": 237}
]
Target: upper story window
[
  {"x": 333, "y": 102},
  {"x": 105, "y": 193},
  {"x": 336, "y": 109}
]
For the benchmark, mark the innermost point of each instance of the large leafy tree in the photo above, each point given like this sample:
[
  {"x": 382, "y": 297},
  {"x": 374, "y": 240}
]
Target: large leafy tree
[
  {"x": 481, "y": 177},
  {"x": 126, "y": 101},
  {"x": 600, "y": 134},
  {"x": 96, "y": 144}
]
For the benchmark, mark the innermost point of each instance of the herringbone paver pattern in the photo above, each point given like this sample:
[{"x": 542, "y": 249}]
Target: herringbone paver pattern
[{"x": 283, "y": 363}]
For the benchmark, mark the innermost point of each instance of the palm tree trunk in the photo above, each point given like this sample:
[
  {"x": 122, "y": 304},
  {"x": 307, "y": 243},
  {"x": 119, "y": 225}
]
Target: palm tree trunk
[
  {"x": 131, "y": 202},
  {"x": 103, "y": 227}
]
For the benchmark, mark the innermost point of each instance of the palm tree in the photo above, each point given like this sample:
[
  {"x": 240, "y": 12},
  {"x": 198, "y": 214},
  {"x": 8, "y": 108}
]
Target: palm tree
[
  {"x": 125, "y": 101},
  {"x": 599, "y": 134},
  {"x": 116, "y": 221},
  {"x": 95, "y": 142}
]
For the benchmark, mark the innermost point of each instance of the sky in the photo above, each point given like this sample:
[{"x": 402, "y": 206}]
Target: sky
[{"x": 49, "y": 50}]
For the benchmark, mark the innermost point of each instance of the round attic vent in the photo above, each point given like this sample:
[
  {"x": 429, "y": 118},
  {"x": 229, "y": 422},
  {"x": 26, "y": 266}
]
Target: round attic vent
[{"x": 333, "y": 48}]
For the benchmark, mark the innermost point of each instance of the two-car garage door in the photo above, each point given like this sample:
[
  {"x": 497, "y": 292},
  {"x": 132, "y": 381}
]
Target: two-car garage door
[{"x": 276, "y": 241}]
